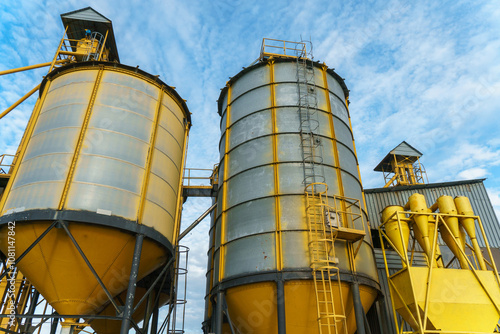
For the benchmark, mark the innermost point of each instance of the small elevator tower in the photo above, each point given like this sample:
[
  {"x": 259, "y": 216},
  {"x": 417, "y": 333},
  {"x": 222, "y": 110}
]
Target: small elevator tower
[{"x": 402, "y": 167}]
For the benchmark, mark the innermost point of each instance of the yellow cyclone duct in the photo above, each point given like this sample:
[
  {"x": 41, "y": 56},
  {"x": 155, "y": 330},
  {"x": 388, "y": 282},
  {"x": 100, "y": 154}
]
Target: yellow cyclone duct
[
  {"x": 465, "y": 209},
  {"x": 264, "y": 275},
  {"x": 102, "y": 163}
]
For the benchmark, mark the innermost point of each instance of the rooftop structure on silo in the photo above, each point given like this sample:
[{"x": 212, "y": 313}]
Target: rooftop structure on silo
[{"x": 402, "y": 167}]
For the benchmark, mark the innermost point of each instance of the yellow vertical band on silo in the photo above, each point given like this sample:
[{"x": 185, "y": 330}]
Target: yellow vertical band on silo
[
  {"x": 334, "y": 138},
  {"x": 178, "y": 206},
  {"x": 224, "y": 187},
  {"x": 149, "y": 159},
  {"x": 24, "y": 144},
  {"x": 81, "y": 138},
  {"x": 278, "y": 236},
  {"x": 357, "y": 166}
]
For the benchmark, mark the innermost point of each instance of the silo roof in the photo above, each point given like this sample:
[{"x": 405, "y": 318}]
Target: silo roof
[
  {"x": 88, "y": 18},
  {"x": 264, "y": 62},
  {"x": 402, "y": 150}
]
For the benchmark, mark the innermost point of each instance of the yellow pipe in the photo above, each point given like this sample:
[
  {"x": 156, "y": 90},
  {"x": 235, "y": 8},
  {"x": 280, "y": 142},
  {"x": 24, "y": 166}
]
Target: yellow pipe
[
  {"x": 464, "y": 208},
  {"x": 103, "y": 46},
  {"x": 21, "y": 100},
  {"x": 31, "y": 67},
  {"x": 279, "y": 250}
]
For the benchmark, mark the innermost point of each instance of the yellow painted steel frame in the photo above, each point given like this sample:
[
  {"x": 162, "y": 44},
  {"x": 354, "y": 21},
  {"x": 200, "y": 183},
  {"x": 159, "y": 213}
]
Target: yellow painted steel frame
[
  {"x": 334, "y": 140},
  {"x": 224, "y": 188},
  {"x": 180, "y": 198},
  {"x": 278, "y": 233},
  {"x": 421, "y": 320},
  {"x": 351, "y": 251},
  {"x": 149, "y": 160}
]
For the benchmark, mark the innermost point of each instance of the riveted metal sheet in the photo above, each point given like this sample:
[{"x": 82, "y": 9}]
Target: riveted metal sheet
[
  {"x": 285, "y": 72},
  {"x": 343, "y": 134},
  {"x": 296, "y": 248},
  {"x": 347, "y": 160},
  {"x": 241, "y": 189},
  {"x": 252, "y": 217},
  {"x": 335, "y": 87},
  {"x": 256, "y": 78},
  {"x": 249, "y": 127},
  {"x": 257, "y": 99},
  {"x": 252, "y": 153},
  {"x": 50, "y": 142},
  {"x": 68, "y": 116},
  {"x": 294, "y": 217},
  {"x": 339, "y": 109},
  {"x": 250, "y": 254},
  {"x": 121, "y": 121}
]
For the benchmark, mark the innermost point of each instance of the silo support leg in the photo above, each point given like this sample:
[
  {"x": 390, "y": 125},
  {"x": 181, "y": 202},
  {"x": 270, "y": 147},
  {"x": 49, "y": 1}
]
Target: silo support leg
[
  {"x": 53, "y": 326},
  {"x": 382, "y": 314},
  {"x": 154, "y": 323},
  {"x": 358, "y": 309},
  {"x": 226, "y": 311},
  {"x": 218, "y": 313},
  {"x": 280, "y": 295},
  {"x": 134, "y": 271}
]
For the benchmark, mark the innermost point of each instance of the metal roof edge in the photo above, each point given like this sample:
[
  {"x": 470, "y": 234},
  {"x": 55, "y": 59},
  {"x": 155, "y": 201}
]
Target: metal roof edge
[{"x": 422, "y": 186}]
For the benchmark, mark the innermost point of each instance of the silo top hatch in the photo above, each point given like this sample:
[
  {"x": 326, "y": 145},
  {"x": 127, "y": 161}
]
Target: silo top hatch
[{"x": 78, "y": 21}]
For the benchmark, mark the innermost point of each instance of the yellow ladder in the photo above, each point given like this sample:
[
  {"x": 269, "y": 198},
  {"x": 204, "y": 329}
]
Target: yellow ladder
[{"x": 326, "y": 275}]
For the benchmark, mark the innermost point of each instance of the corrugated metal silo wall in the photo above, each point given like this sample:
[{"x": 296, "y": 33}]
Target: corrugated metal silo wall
[{"x": 377, "y": 199}]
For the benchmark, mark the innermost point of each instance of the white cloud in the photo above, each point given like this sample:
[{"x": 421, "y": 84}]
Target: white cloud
[{"x": 473, "y": 173}]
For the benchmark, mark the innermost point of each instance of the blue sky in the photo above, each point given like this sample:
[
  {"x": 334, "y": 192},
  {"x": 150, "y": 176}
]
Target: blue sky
[{"x": 425, "y": 72}]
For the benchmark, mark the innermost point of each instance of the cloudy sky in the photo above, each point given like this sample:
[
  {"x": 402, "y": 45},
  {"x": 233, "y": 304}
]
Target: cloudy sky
[{"x": 427, "y": 73}]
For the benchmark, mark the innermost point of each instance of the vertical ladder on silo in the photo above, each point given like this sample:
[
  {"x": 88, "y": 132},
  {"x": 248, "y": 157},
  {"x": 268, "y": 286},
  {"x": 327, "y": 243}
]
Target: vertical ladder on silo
[
  {"x": 312, "y": 155},
  {"x": 326, "y": 275}
]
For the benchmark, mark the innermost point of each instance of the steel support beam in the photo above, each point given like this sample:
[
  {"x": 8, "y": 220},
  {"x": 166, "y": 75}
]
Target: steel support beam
[
  {"x": 197, "y": 221},
  {"x": 280, "y": 295},
  {"x": 134, "y": 271},
  {"x": 219, "y": 316},
  {"x": 18, "y": 102},
  {"x": 358, "y": 309}
]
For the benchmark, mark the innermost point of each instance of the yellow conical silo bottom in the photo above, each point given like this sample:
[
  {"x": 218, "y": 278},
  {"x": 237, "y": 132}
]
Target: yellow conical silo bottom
[
  {"x": 253, "y": 307},
  {"x": 56, "y": 269}
]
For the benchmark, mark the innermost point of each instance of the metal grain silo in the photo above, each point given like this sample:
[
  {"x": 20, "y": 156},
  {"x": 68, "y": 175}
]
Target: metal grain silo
[
  {"x": 285, "y": 138},
  {"x": 101, "y": 163}
]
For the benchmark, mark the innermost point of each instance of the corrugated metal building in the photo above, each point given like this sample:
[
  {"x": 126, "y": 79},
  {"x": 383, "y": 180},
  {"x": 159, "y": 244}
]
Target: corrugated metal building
[{"x": 377, "y": 199}]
